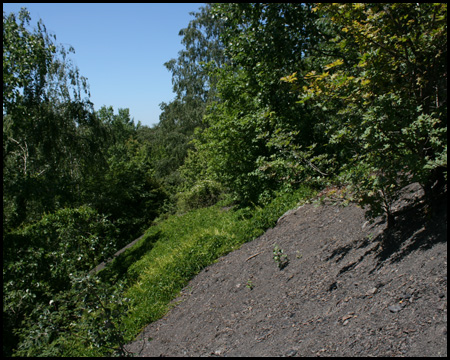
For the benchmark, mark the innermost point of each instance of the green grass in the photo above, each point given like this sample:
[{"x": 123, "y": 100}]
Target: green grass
[
  {"x": 172, "y": 252},
  {"x": 185, "y": 245}
]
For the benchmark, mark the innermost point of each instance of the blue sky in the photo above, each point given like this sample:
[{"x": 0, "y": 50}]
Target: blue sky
[{"x": 120, "y": 48}]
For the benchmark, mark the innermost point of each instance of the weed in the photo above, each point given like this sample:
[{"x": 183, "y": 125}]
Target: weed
[
  {"x": 280, "y": 257},
  {"x": 250, "y": 284}
]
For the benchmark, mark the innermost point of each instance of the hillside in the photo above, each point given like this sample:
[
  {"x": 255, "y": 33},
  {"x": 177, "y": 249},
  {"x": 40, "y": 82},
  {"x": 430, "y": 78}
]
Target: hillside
[{"x": 349, "y": 288}]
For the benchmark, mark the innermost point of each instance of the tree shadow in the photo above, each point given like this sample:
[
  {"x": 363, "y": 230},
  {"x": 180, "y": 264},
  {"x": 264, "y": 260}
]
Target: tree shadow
[
  {"x": 340, "y": 252},
  {"x": 116, "y": 268},
  {"x": 416, "y": 226}
]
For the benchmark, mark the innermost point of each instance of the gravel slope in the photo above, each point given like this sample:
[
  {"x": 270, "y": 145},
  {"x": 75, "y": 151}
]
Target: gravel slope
[{"x": 343, "y": 291}]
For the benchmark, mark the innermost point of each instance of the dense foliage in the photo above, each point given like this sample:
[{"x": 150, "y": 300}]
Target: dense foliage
[
  {"x": 258, "y": 139},
  {"x": 384, "y": 96},
  {"x": 38, "y": 263},
  {"x": 366, "y": 105},
  {"x": 77, "y": 184},
  {"x": 194, "y": 87},
  {"x": 270, "y": 98}
]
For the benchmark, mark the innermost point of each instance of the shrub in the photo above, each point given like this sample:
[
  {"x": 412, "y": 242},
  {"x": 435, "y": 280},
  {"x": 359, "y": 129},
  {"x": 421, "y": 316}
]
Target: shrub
[
  {"x": 203, "y": 194},
  {"x": 39, "y": 259}
]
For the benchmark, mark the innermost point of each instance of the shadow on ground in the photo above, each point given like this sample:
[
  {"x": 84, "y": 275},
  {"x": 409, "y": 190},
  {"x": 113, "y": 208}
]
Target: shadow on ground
[
  {"x": 115, "y": 268},
  {"x": 415, "y": 227}
]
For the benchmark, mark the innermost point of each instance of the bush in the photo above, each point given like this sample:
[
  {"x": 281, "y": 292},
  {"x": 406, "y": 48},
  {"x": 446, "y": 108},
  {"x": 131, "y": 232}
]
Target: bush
[
  {"x": 40, "y": 258},
  {"x": 84, "y": 320},
  {"x": 203, "y": 194}
]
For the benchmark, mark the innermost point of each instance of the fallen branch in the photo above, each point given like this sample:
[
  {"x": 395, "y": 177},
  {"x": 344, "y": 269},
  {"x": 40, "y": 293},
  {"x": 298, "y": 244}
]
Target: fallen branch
[{"x": 253, "y": 256}]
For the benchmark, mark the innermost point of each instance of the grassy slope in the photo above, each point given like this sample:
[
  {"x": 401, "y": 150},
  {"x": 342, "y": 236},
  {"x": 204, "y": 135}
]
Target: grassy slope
[{"x": 175, "y": 250}]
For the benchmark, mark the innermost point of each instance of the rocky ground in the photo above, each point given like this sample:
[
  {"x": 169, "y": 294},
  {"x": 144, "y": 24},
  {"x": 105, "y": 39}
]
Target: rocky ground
[{"x": 346, "y": 288}]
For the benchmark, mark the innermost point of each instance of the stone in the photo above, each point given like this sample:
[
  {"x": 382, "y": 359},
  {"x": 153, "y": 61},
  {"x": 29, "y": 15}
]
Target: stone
[{"x": 395, "y": 308}]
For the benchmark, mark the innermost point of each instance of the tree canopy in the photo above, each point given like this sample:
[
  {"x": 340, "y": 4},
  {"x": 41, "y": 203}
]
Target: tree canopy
[{"x": 348, "y": 93}]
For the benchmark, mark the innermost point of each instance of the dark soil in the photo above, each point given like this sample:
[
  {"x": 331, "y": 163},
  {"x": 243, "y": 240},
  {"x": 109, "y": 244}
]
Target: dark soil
[{"x": 349, "y": 288}]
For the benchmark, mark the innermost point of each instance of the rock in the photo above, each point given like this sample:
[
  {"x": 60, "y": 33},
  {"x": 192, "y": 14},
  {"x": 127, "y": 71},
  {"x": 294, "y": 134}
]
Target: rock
[
  {"x": 291, "y": 353},
  {"x": 372, "y": 291},
  {"x": 395, "y": 308}
]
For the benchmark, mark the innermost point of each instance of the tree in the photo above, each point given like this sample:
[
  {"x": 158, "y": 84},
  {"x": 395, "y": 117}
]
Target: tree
[
  {"x": 51, "y": 138},
  {"x": 126, "y": 188},
  {"x": 194, "y": 87},
  {"x": 76, "y": 186},
  {"x": 129, "y": 193},
  {"x": 385, "y": 94},
  {"x": 191, "y": 77},
  {"x": 258, "y": 138}
]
